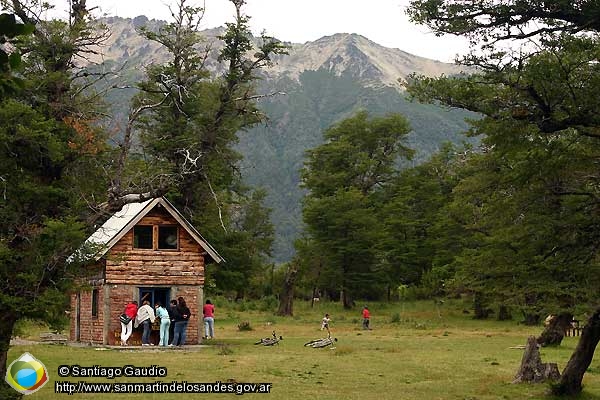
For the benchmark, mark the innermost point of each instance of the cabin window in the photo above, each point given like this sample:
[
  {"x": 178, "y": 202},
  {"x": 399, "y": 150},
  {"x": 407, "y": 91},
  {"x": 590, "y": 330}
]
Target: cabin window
[
  {"x": 95, "y": 302},
  {"x": 142, "y": 237},
  {"x": 167, "y": 237}
]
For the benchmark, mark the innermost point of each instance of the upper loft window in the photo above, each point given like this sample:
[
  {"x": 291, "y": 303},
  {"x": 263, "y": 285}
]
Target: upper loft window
[
  {"x": 142, "y": 237},
  {"x": 155, "y": 237},
  {"x": 167, "y": 237}
]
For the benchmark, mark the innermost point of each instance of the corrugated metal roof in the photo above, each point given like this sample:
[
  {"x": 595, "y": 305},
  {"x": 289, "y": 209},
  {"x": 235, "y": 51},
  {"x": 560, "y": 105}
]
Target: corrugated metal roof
[
  {"x": 116, "y": 223},
  {"x": 122, "y": 221}
]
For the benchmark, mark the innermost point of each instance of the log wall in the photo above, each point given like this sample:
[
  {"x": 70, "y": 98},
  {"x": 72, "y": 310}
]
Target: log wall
[
  {"x": 127, "y": 269},
  {"x": 184, "y": 266}
]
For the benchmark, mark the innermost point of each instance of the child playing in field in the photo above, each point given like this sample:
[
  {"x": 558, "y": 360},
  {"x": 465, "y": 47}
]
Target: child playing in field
[
  {"x": 366, "y": 318},
  {"x": 325, "y": 322}
]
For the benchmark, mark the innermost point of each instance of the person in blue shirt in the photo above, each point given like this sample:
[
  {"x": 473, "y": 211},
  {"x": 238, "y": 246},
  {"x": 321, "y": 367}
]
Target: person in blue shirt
[{"x": 165, "y": 324}]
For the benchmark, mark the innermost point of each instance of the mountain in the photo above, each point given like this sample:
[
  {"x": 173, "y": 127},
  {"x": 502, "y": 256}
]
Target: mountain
[
  {"x": 324, "y": 81},
  {"x": 341, "y": 53},
  {"x": 345, "y": 53}
]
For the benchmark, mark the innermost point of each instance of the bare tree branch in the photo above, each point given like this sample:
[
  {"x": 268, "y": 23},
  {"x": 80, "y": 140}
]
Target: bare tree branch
[{"x": 216, "y": 202}]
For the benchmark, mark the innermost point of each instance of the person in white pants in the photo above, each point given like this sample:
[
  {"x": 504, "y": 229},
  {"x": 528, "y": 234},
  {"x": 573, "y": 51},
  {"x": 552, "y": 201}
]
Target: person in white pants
[{"x": 127, "y": 329}]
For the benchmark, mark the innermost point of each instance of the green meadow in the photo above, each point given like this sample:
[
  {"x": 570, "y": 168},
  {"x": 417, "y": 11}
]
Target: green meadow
[{"x": 416, "y": 350}]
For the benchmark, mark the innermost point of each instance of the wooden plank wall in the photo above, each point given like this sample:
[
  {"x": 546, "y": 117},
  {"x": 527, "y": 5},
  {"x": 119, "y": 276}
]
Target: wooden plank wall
[{"x": 185, "y": 266}]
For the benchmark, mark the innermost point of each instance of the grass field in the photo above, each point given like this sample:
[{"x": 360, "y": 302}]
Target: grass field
[{"x": 416, "y": 350}]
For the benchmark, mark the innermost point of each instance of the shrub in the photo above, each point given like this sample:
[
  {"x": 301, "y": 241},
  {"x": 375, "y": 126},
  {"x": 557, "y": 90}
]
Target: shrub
[
  {"x": 245, "y": 326},
  {"x": 268, "y": 303},
  {"x": 224, "y": 350}
]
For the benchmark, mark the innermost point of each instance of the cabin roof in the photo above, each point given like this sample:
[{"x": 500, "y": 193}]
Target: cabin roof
[{"x": 105, "y": 237}]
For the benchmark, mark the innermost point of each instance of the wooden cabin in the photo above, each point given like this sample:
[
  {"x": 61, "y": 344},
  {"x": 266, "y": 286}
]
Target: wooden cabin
[{"x": 146, "y": 251}]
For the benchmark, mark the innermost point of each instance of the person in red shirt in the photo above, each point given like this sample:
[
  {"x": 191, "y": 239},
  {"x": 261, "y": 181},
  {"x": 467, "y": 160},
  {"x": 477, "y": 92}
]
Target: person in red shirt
[
  {"x": 209, "y": 319},
  {"x": 366, "y": 318},
  {"x": 126, "y": 329}
]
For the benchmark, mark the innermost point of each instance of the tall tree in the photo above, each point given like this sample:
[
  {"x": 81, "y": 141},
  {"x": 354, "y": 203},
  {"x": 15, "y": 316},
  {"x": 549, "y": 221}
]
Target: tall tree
[
  {"x": 420, "y": 240},
  {"x": 538, "y": 246},
  {"x": 188, "y": 120},
  {"x": 538, "y": 173},
  {"x": 47, "y": 171},
  {"x": 342, "y": 175},
  {"x": 535, "y": 200}
]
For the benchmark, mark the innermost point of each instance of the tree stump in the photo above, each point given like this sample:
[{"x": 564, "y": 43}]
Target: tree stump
[{"x": 532, "y": 370}]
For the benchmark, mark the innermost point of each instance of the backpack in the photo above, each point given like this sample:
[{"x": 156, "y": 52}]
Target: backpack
[{"x": 124, "y": 318}]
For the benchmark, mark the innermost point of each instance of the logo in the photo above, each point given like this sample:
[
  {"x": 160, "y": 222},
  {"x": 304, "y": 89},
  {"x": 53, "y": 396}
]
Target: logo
[{"x": 26, "y": 374}]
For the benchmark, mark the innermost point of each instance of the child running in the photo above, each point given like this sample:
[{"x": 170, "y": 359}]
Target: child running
[{"x": 325, "y": 322}]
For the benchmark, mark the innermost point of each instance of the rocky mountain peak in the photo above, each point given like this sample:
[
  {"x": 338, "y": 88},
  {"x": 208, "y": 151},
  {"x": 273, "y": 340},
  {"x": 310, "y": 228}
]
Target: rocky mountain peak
[
  {"x": 341, "y": 53},
  {"x": 362, "y": 58}
]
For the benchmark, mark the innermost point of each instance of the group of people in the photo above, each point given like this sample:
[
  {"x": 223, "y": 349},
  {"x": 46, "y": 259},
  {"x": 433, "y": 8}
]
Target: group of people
[{"x": 173, "y": 321}]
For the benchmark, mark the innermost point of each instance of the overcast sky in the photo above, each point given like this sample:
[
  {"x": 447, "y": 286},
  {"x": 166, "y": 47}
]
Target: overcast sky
[{"x": 298, "y": 21}]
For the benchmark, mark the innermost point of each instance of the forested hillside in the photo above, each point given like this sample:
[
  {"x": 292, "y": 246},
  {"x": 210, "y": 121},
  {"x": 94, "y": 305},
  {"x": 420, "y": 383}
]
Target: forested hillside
[
  {"x": 315, "y": 85},
  {"x": 274, "y": 153}
]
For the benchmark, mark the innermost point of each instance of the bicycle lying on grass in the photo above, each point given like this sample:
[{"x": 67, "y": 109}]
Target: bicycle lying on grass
[
  {"x": 270, "y": 341},
  {"x": 319, "y": 343}
]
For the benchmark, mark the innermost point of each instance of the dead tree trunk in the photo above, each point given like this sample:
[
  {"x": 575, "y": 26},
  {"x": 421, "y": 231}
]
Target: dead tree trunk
[
  {"x": 314, "y": 292},
  {"x": 347, "y": 301},
  {"x": 480, "y": 308},
  {"x": 504, "y": 313},
  {"x": 532, "y": 370},
  {"x": 554, "y": 333},
  {"x": 570, "y": 381},
  {"x": 286, "y": 299}
]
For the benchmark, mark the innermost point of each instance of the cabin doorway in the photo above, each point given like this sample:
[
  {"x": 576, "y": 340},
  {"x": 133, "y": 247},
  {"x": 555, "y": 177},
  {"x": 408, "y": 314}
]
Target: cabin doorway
[{"x": 155, "y": 295}]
